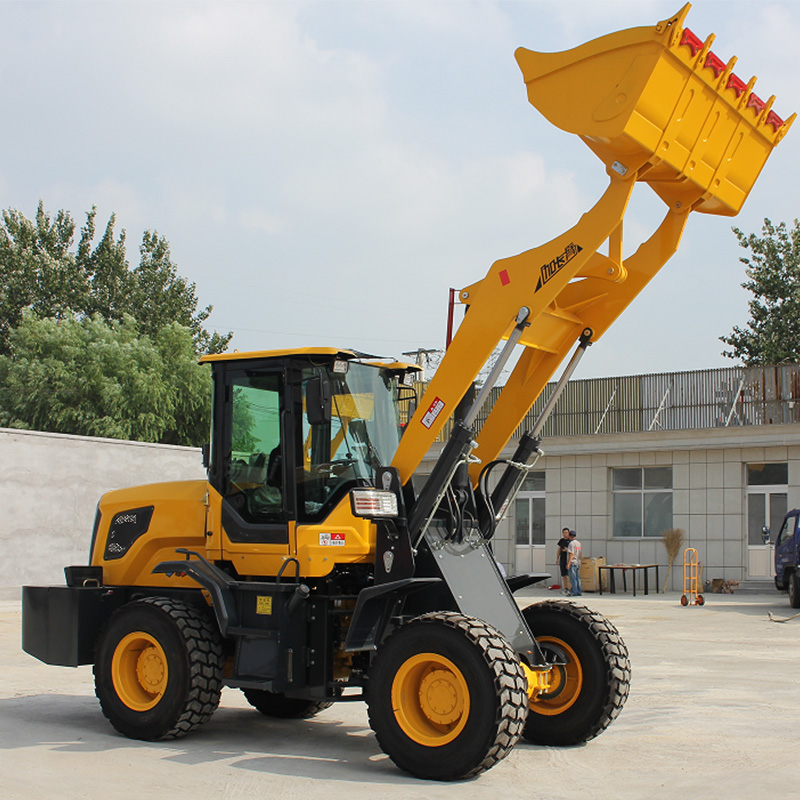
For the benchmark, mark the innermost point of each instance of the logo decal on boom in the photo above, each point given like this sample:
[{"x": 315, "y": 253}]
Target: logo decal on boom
[{"x": 552, "y": 269}]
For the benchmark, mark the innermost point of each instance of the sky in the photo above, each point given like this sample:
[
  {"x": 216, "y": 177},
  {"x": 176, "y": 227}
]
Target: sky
[{"x": 326, "y": 170}]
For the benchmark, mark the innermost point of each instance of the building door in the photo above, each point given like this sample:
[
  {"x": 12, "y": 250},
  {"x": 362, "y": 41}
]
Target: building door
[
  {"x": 767, "y": 498},
  {"x": 529, "y": 515}
]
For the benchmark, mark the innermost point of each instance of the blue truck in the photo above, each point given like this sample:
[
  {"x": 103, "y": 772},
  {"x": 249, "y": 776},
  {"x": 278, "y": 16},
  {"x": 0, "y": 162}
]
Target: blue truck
[{"x": 787, "y": 556}]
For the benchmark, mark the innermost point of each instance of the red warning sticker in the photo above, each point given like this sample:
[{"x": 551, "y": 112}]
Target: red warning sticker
[
  {"x": 436, "y": 408},
  {"x": 332, "y": 540}
]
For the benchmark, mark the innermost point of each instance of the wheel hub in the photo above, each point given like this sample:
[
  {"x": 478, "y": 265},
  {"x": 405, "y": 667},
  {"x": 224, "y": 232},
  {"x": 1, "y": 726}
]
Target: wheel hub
[
  {"x": 150, "y": 670},
  {"x": 430, "y": 699},
  {"x": 439, "y": 697},
  {"x": 139, "y": 671},
  {"x": 566, "y": 678}
]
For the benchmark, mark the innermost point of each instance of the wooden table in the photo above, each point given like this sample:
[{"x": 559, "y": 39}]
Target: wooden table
[{"x": 612, "y": 568}]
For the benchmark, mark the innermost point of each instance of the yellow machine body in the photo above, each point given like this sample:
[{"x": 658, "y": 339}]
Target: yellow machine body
[
  {"x": 329, "y": 575},
  {"x": 172, "y": 515},
  {"x": 657, "y": 106}
]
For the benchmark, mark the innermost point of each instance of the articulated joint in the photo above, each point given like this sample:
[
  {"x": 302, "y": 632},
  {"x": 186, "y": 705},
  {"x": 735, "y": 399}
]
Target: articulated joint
[
  {"x": 538, "y": 680},
  {"x": 585, "y": 339}
]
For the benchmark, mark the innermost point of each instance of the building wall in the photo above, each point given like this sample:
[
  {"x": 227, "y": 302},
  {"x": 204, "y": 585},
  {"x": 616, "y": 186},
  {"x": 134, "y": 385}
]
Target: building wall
[
  {"x": 49, "y": 488},
  {"x": 709, "y": 497},
  {"x": 50, "y": 485}
]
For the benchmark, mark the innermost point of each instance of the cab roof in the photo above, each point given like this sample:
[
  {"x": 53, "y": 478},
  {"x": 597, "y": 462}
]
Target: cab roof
[
  {"x": 302, "y": 351},
  {"x": 349, "y": 355}
]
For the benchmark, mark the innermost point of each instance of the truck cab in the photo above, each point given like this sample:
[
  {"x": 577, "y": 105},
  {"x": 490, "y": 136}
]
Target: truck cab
[{"x": 787, "y": 547}]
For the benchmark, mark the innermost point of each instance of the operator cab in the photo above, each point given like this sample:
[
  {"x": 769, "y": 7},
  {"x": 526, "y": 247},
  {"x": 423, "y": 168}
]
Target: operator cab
[{"x": 294, "y": 431}]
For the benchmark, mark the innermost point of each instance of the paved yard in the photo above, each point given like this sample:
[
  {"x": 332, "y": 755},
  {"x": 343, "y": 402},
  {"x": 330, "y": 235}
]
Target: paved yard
[{"x": 714, "y": 712}]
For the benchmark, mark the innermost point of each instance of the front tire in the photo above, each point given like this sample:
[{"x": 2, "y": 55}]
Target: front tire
[
  {"x": 158, "y": 673},
  {"x": 446, "y": 696},
  {"x": 590, "y": 684}
]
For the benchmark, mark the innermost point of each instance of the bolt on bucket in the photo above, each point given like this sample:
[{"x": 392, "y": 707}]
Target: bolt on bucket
[{"x": 655, "y": 104}]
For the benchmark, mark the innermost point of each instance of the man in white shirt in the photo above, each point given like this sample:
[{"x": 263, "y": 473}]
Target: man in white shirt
[{"x": 574, "y": 564}]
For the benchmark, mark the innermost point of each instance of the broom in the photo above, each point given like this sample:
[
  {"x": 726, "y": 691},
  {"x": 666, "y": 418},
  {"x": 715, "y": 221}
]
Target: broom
[{"x": 673, "y": 539}]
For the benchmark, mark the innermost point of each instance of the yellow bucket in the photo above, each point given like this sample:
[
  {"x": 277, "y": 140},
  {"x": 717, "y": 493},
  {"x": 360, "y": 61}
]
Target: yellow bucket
[{"x": 656, "y": 104}]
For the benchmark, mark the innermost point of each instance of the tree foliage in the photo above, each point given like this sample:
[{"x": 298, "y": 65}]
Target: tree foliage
[
  {"x": 41, "y": 271},
  {"x": 772, "y": 335},
  {"x": 91, "y": 346},
  {"x": 94, "y": 378}
]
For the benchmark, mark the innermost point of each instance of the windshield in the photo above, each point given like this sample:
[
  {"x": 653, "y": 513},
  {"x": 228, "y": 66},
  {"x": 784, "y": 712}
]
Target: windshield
[{"x": 361, "y": 432}]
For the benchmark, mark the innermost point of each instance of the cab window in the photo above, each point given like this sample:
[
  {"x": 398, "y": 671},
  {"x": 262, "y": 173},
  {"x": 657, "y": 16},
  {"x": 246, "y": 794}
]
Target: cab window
[
  {"x": 787, "y": 530},
  {"x": 254, "y": 485}
]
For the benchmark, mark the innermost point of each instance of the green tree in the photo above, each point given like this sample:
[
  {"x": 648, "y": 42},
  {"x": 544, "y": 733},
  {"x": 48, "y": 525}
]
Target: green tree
[
  {"x": 157, "y": 276},
  {"x": 40, "y": 271},
  {"x": 37, "y": 271},
  {"x": 772, "y": 335},
  {"x": 94, "y": 378}
]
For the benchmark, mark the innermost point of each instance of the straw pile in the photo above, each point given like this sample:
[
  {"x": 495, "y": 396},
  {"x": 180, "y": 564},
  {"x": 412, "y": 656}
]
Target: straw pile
[{"x": 673, "y": 540}]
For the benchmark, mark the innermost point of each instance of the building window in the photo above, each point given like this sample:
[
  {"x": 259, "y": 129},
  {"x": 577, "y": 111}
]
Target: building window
[
  {"x": 767, "y": 474},
  {"x": 529, "y": 511},
  {"x": 642, "y": 501}
]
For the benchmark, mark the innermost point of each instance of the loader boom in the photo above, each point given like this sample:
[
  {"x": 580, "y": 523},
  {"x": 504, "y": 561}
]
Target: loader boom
[{"x": 657, "y": 106}]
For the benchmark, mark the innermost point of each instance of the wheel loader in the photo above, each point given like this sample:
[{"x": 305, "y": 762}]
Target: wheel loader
[{"x": 317, "y": 565}]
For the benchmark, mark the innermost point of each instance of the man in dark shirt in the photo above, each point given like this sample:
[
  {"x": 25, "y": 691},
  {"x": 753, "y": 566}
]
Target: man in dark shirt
[{"x": 563, "y": 544}]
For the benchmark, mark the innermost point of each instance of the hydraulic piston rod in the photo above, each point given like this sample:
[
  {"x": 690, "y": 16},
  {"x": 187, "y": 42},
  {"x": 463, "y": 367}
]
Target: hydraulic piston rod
[{"x": 584, "y": 342}]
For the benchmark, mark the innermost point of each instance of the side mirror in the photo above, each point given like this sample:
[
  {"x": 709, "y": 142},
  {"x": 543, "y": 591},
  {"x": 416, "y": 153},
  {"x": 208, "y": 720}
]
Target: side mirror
[
  {"x": 765, "y": 534},
  {"x": 318, "y": 401}
]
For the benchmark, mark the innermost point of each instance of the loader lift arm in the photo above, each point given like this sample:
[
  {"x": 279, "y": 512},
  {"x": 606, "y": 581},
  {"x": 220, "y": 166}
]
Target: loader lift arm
[{"x": 657, "y": 106}]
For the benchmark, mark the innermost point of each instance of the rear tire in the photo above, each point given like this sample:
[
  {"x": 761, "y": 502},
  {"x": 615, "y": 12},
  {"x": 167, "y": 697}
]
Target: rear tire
[
  {"x": 276, "y": 704},
  {"x": 589, "y": 689},
  {"x": 446, "y": 696},
  {"x": 794, "y": 590},
  {"x": 158, "y": 673}
]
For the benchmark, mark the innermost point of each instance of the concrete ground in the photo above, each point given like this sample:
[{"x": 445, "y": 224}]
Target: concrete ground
[{"x": 714, "y": 712}]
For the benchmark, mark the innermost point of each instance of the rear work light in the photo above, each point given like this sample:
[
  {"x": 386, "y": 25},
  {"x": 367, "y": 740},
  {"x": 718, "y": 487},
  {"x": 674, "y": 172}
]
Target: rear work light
[{"x": 373, "y": 503}]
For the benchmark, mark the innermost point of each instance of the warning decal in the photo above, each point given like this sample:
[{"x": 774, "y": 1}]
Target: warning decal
[
  {"x": 263, "y": 604},
  {"x": 435, "y": 409},
  {"x": 332, "y": 540}
]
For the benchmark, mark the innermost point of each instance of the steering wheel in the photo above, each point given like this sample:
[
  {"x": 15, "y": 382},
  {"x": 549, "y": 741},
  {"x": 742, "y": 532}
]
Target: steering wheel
[{"x": 336, "y": 467}]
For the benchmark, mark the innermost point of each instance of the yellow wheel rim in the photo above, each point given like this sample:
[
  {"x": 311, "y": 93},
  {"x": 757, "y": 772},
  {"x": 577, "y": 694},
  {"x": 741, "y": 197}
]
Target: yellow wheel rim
[
  {"x": 566, "y": 681},
  {"x": 139, "y": 671},
  {"x": 430, "y": 699}
]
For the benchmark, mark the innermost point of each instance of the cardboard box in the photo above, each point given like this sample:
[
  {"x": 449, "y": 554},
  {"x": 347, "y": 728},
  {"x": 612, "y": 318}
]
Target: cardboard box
[{"x": 589, "y": 575}]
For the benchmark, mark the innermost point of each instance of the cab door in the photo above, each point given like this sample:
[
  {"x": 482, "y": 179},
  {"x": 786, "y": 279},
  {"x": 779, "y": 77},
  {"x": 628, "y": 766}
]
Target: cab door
[
  {"x": 786, "y": 547},
  {"x": 251, "y": 507}
]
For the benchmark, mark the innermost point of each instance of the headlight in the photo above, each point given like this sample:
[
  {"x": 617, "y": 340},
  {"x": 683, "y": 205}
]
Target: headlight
[{"x": 373, "y": 503}]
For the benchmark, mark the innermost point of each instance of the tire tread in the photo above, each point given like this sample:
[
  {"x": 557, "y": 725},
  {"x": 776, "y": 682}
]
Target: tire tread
[
  {"x": 205, "y": 655},
  {"x": 615, "y": 656},
  {"x": 508, "y": 678}
]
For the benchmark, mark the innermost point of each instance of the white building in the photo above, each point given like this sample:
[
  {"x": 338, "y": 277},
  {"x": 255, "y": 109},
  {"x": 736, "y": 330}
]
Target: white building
[{"x": 714, "y": 453}]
